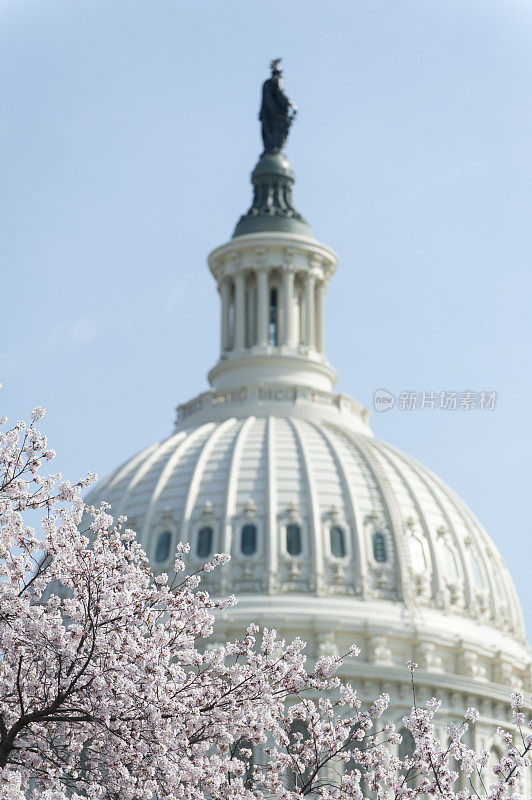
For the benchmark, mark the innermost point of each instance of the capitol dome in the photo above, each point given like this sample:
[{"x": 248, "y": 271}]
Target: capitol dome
[
  {"x": 334, "y": 535},
  {"x": 325, "y": 519}
]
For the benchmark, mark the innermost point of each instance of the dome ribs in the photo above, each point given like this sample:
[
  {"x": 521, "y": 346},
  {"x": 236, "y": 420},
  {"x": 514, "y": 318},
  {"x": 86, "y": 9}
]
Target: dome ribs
[
  {"x": 197, "y": 476},
  {"x": 146, "y": 466},
  {"x": 358, "y": 544},
  {"x": 271, "y": 516},
  {"x": 253, "y": 474},
  {"x": 314, "y": 538},
  {"x": 169, "y": 469},
  {"x": 393, "y": 514},
  {"x": 451, "y": 527},
  {"x": 474, "y": 533},
  {"x": 288, "y": 468},
  {"x": 488, "y": 553},
  {"x": 113, "y": 481},
  {"x": 436, "y": 578},
  {"x": 232, "y": 484}
]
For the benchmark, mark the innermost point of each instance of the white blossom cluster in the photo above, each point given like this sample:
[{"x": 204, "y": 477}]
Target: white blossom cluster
[{"x": 109, "y": 690}]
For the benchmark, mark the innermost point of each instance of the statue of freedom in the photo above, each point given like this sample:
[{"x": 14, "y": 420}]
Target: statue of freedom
[{"x": 276, "y": 112}]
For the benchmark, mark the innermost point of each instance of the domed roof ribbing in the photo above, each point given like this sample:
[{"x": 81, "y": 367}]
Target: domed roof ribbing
[{"x": 401, "y": 534}]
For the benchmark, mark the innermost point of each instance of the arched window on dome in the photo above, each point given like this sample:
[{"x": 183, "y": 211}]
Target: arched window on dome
[
  {"x": 450, "y": 562},
  {"x": 379, "y": 547},
  {"x": 293, "y": 539},
  {"x": 162, "y": 548},
  {"x": 417, "y": 554},
  {"x": 248, "y": 539},
  {"x": 204, "y": 543},
  {"x": 337, "y": 540},
  {"x": 477, "y": 572}
]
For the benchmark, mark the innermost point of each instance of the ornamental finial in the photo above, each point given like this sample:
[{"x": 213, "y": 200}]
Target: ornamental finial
[
  {"x": 272, "y": 208},
  {"x": 276, "y": 112}
]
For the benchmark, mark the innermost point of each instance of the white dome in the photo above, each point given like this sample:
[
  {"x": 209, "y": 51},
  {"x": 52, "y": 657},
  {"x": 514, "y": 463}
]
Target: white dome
[{"x": 382, "y": 541}]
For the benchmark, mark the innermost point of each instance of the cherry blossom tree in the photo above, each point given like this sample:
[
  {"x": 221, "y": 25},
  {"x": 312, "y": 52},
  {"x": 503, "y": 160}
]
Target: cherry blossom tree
[{"x": 110, "y": 687}]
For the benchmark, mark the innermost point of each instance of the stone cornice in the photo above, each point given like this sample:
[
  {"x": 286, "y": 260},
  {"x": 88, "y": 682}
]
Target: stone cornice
[
  {"x": 273, "y": 250},
  {"x": 270, "y": 394}
]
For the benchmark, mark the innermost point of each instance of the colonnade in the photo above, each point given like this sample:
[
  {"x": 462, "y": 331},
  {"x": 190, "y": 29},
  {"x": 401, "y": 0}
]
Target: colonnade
[{"x": 272, "y": 308}]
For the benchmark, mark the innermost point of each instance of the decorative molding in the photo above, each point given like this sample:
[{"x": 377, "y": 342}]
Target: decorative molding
[
  {"x": 503, "y": 672},
  {"x": 377, "y": 650},
  {"x": 327, "y": 645},
  {"x": 468, "y": 663},
  {"x": 427, "y": 657},
  {"x": 280, "y": 392}
]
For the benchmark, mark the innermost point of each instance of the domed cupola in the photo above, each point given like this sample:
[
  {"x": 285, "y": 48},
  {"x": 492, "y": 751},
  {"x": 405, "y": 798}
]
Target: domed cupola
[
  {"x": 273, "y": 275},
  {"x": 333, "y": 534}
]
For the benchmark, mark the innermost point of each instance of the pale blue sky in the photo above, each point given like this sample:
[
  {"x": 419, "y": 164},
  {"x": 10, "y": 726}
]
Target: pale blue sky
[{"x": 127, "y": 136}]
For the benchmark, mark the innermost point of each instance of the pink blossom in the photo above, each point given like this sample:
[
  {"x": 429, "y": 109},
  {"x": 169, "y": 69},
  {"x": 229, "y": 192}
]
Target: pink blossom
[
  {"x": 114, "y": 682},
  {"x": 471, "y": 714}
]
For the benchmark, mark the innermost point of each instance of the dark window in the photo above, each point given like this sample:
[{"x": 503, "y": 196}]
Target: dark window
[
  {"x": 298, "y": 737},
  {"x": 293, "y": 539},
  {"x": 337, "y": 541},
  {"x": 274, "y": 318},
  {"x": 406, "y": 750},
  {"x": 407, "y": 745},
  {"x": 245, "y": 745},
  {"x": 204, "y": 545},
  {"x": 162, "y": 550},
  {"x": 248, "y": 539},
  {"x": 379, "y": 547}
]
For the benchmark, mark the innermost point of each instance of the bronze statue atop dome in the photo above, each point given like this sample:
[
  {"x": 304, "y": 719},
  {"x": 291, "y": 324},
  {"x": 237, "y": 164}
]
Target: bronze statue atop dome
[{"x": 276, "y": 112}]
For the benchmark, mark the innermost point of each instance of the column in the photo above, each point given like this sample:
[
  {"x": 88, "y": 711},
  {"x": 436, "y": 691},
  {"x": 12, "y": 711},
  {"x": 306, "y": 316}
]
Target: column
[
  {"x": 240, "y": 311},
  {"x": 225, "y": 291},
  {"x": 288, "y": 296},
  {"x": 263, "y": 307},
  {"x": 309, "y": 310},
  {"x": 320, "y": 316},
  {"x": 250, "y": 315}
]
